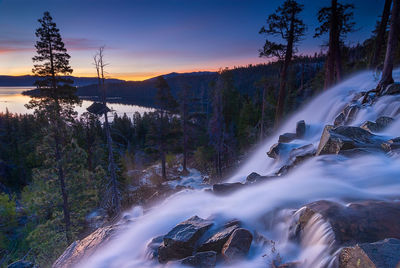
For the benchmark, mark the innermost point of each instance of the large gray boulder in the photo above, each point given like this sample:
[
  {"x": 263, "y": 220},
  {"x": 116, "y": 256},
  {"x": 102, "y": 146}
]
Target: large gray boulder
[
  {"x": 359, "y": 222},
  {"x": 381, "y": 254},
  {"x": 181, "y": 241},
  {"x": 82, "y": 249},
  {"x": 347, "y": 115},
  {"x": 296, "y": 156},
  {"x": 238, "y": 244},
  {"x": 227, "y": 187},
  {"x": 300, "y": 129},
  {"x": 380, "y": 124},
  {"x": 205, "y": 259},
  {"x": 218, "y": 239},
  {"x": 334, "y": 140}
]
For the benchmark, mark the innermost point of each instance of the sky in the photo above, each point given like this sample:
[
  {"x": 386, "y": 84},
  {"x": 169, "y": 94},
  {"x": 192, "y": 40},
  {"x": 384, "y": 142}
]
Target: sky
[{"x": 146, "y": 38}]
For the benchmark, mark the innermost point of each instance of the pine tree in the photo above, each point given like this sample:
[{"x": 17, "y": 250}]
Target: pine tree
[
  {"x": 166, "y": 106},
  {"x": 56, "y": 99},
  {"x": 217, "y": 125},
  {"x": 286, "y": 24},
  {"x": 337, "y": 20}
]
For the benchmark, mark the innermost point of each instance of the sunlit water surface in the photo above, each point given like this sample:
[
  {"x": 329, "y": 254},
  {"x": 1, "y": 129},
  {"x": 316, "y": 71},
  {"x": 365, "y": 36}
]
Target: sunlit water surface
[{"x": 12, "y": 99}]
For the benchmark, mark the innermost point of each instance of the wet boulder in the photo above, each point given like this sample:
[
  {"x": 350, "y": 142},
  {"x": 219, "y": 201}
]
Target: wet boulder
[
  {"x": 227, "y": 188},
  {"x": 82, "y": 249},
  {"x": 347, "y": 115},
  {"x": 238, "y": 244},
  {"x": 152, "y": 247},
  {"x": 380, "y": 124},
  {"x": 181, "y": 241},
  {"x": 296, "y": 156},
  {"x": 392, "y": 89},
  {"x": 218, "y": 239},
  {"x": 256, "y": 178},
  {"x": 300, "y": 129},
  {"x": 205, "y": 259},
  {"x": 279, "y": 150},
  {"x": 300, "y": 132},
  {"x": 334, "y": 140},
  {"x": 391, "y": 145},
  {"x": 287, "y": 137},
  {"x": 359, "y": 222},
  {"x": 381, "y": 254}
]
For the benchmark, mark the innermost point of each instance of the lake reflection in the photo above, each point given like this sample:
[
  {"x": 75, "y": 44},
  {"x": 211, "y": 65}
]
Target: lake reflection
[{"x": 12, "y": 99}]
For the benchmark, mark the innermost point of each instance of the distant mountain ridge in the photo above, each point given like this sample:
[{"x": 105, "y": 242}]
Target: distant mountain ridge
[{"x": 29, "y": 80}]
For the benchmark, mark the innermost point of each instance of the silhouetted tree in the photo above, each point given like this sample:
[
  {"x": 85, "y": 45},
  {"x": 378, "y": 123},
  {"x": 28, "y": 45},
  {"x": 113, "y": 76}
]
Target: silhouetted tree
[
  {"x": 217, "y": 125},
  {"x": 337, "y": 20},
  {"x": 286, "y": 24},
  {"x": 380, "y": 36},
  {"x": 391, "y": 47},
  {"x": 114, "y": 202},
  {"x": 185, "y": 121},
  {"x": 56, "y": 99},
  {"x": 166, "y": 106}
]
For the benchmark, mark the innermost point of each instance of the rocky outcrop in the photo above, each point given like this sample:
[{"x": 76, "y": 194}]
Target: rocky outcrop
[
  {"x": 278, "y": 150},
  {"x": 360, "y": 222},
  {"x": 238, "y": 244},
  {"x": 381, "y": 254},
  {"x": 296, "y": 156},
  {"x": 180, "y": 242},
  {"x": 205, "y": 259},
  {"x": 335, "y": 140},
  {"x": 391, "y": 145},
  {"x": 301, "y": 129},
  {"x": 300, "y": 132},
  {"x": 380, "y": 124},
  {"x": 347, "y": 115},
  {"x": 287, "y": 137},
  {"x": 227, "y": 188},
  {"x": 256, "y": 178},
  {"x": 218, "y": 239},
  {"x": 84, "y": 248}
]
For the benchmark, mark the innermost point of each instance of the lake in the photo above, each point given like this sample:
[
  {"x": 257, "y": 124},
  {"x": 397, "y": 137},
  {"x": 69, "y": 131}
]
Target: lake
[{"x": 12, "y": 99}]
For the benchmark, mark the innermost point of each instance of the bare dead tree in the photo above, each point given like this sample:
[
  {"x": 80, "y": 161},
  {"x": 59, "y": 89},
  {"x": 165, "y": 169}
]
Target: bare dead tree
[{"x": 115, "y": 200}]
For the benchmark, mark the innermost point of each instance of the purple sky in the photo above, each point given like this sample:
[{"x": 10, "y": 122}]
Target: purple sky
[{"x": 144, "y": 38}]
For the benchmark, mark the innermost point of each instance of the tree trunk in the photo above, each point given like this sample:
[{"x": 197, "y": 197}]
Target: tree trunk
[
  {"x": 185, "y": 145},
  {"x": 263, "y": 112},
  {"x": 392, "y": 43},
  {"x": 380, "y": 37},
  {"x": 163, "y": 163},
  {"x": 336, "y": 44},
  {"x": 116, "y": 203},
  {"x": 61, "y": 178},
  {"x": 332, "y": 53},
  {"x": 282, "y": 87}
]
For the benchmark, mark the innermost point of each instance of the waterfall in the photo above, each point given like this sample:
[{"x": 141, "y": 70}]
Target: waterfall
[{"x": 330, "y": 177}]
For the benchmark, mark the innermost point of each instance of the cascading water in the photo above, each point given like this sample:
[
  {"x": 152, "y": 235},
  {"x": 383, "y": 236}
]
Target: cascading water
[{"x": 265, "y": 208}]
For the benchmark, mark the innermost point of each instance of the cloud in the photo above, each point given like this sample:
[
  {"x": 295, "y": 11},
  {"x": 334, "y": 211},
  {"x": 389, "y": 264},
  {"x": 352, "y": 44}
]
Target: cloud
[{"x": 82, "y": 44}]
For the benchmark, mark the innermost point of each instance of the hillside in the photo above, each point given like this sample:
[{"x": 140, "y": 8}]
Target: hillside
[{"x": 29, "y": 80}]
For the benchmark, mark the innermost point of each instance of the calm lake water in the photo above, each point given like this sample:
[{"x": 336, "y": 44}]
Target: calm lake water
[{"x": 12, "y": 99}]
